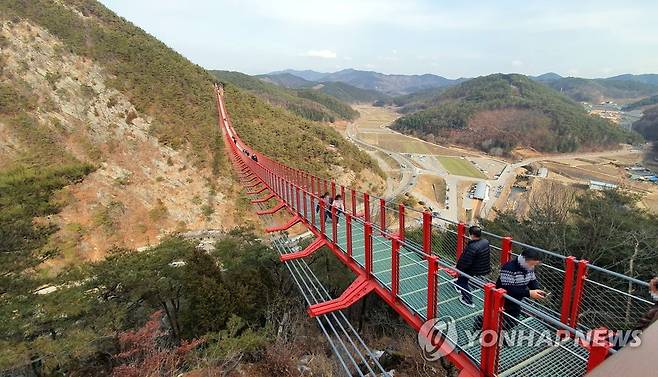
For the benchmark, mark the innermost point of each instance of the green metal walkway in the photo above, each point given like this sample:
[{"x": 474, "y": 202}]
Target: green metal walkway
[{"x": 546, "y": 360}]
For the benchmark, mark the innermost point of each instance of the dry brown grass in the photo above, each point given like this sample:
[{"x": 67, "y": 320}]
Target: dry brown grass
[
  {"x": 424, "y": 186},
  {"x": 374, "y": 117}
]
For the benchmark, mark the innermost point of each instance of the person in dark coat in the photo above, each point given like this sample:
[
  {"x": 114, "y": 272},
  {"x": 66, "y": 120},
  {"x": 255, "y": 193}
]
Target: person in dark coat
[
  {"x": 517, "y": 277},
  {"x": 474, "y": 261}
]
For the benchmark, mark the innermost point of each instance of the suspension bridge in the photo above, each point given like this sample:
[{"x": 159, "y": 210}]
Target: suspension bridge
[{"x": 408, "y": 259}]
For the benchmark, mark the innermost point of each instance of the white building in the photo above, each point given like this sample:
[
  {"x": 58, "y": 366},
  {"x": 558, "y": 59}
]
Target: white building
[{"x": 597, "y": 185}]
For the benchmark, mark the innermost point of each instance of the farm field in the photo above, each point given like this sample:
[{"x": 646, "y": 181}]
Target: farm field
[
  {"x": 404, "y": 144},
  {"x": 372, "y": 117},
  {"x": 459, "y": 166}
]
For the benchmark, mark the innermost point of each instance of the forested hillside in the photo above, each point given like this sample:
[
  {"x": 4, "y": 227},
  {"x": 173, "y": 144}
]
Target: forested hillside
[
  {"x": 109, "y": 145},
  {"x": 499, "y": 112},
  {"x": 350, "y": 94},
  {"x": 306, "y": 103},
  {"x": 647, "y": 126},
  {"x": 283, "y": 136},
  {"x": 598, "y": 90},
  {"x": 80, "y": 86},
  {"x": 416, "y": 101},
  {"x": 649, "y": 101}
]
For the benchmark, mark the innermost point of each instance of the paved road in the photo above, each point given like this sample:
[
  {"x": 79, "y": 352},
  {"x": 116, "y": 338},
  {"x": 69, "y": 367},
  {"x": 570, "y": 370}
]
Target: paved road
[
  {"x": 407, "y": 169},
  {"x": 409, "y": 172}
]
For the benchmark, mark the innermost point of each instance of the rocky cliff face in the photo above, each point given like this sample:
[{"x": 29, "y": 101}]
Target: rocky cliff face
[{"x": 141, "y": 189}]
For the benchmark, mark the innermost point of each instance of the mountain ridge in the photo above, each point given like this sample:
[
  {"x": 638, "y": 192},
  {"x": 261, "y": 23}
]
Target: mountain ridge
[
  {"x": 389, "y": 84},
  {"x": 498, "y": 112},
  {"x": 304, "y": 102}
]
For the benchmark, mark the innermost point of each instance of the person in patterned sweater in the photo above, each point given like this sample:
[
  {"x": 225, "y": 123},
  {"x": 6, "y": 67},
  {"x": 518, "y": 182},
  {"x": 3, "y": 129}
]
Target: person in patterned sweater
[{"x": 518, "y": 278}]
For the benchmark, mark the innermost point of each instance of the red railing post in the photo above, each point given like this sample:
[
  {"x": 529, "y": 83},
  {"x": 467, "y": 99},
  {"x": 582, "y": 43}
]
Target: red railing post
[
  {"x": 599, "y": 348},
  {"x": 299, "y": 201},
  {"x": 313, "y": 210},
  {"x": 581, "y": 275},
  {"x": 427, "y": 233},
  {"x": 333, "y": 189},
  {"x": 334, "y": 225},
  {"x": 395, "y": 267},
  {"x": 485, "y": 347},
  {"x": 284, "y": 188},
  {"x": 366, "y": 207},
  {"x": 569, "y": 264},
  {"x": 305, "y": 205},
  {"x": 348, "y": 233},
  {"x": 342, "y": 194},
  {"x": 493, "y": 306},
  {"x": 313, "y": 185},
  {"x": 368, "y": 251},
  {"x": 461, "y": 233},
  {"x": 499, "y": 300},
  {"x": 353, "y": 202},
  {"x": 506, "y": 251},
  {"x": 289, "y": 196},
  {"x": 432, "y": 268},
  {"x": 401, "y": 222},
  {"x": 382, "y": 214}
]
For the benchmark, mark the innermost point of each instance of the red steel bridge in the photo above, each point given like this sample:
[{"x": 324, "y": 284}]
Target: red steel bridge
[{"x": 408, "y": 259}]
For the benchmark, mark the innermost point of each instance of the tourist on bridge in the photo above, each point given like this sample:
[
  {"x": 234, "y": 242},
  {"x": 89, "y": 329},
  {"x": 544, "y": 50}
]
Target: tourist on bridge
[
  {"x": 339, "y": 205},
  {"x": 326, "y": 199},
  {"x": 474, "y": 261},
  {"x": 518, "y": 278}
]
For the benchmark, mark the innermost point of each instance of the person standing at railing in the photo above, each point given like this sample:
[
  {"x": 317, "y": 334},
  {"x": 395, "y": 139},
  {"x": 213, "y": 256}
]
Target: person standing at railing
[
  {"x": 474, "y": 261},
  {"x": 326, "y": 199},
  {"x": 340, "y": 207},
  {"x": 518, "y": 278}
]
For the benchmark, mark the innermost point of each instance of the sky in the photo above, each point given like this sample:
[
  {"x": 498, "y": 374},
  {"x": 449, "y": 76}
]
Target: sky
[{"x": 449, "y": 38}]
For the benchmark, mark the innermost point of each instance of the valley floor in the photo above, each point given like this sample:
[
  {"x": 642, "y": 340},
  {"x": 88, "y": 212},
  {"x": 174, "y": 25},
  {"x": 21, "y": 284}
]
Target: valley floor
[{"x": 442, "y": 177}]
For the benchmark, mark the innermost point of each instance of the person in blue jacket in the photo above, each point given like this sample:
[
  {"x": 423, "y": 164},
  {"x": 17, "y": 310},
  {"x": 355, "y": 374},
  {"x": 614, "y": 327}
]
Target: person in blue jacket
[{"x": 475, "y": 261}]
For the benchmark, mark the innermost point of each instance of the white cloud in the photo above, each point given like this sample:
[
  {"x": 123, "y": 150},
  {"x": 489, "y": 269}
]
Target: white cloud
[
  {"x": 324, "y": 54},
  {"x": 517, "y": 63}
]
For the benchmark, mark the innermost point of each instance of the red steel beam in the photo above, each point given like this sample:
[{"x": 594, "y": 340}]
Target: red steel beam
[{"x": 569, "y": 267}]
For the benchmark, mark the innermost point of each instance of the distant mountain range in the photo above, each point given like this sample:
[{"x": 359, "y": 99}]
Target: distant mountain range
[
  {"x": 287, "y": 80},
  {"x": 624, "y": 88},
  {"x": 392, "y": 85},
  {"x": 340, "y": 90},
  {"x": 305, "y": 74}
]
